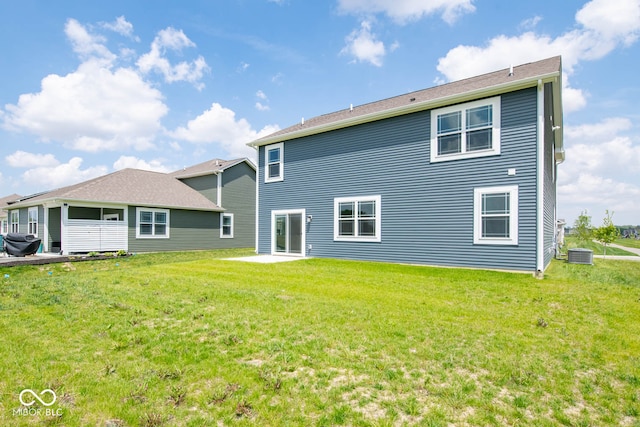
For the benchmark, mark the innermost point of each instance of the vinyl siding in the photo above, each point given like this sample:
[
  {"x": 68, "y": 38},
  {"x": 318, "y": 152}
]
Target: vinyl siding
[
  {"x": 189, "y": 230},
  {"x": 23, "y": 222},
  {"x": 206, "y": 185},
  {"x": 239, "y": 198},
  {"x": 427, "y": 208}
]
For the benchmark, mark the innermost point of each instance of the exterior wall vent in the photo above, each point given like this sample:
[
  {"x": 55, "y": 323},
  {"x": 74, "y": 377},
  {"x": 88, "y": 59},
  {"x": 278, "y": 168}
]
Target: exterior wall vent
[{"x": 580, "y": 256}]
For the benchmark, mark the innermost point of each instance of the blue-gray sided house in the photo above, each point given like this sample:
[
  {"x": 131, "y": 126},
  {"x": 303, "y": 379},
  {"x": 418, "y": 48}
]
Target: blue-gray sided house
[
  {"x": 462, "y": 174},
  {"x": 207, "y": 206}
]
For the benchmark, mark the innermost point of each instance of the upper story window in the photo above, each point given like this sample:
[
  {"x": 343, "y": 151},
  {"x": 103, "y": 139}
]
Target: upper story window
[
  {"x": 357, "y": 218},
  {"x": 496, "y": 215},
  {"x": 32, "y": 221},
  {"x": 152, "y": 223},
  {"x": 274, "y": 163},
  {"x": 15, "y": 221},
  {"x": 466, "y": 130}
]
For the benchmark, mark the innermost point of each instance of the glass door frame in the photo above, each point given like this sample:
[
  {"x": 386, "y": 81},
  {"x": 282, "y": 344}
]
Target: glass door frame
[{"x": 274, "y": 232}]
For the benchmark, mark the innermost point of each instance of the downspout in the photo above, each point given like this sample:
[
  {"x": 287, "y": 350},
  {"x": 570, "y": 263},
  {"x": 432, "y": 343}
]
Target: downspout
[
  {"x": 257, "y": 216},
  {"x": 219, "y": 189},
  {"x": 540, "y": 185},
  {"x": 64, "y": 221},
  {"x": 45, "y": 229}
]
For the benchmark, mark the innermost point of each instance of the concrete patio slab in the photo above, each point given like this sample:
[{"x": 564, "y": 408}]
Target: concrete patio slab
[{"x": 266, "y": 259}]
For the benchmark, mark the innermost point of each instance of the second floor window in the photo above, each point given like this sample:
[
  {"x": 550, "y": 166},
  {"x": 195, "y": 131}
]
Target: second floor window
[
  {"x": 274, "y": 165},
  {"x": 466, "y": 130}
]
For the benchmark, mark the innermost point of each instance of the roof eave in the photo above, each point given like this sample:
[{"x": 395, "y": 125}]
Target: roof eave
[
  {"x": 61, "y": 200},
  {"x": 217, "y": 171},
  {"x": 414, "y": 107}
]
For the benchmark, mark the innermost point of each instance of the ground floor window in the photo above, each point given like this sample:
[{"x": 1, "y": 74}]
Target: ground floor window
[
  {"x": 357, "y": 218},
  {"x": 152, "y": 223},
  {"x": 226, "y": 226},
  {"x": 496, "y": 215},
  {"x": 4, "y": 227},
  {"x": 32, "y": 221},
  {"x": 15, "y": 221}
]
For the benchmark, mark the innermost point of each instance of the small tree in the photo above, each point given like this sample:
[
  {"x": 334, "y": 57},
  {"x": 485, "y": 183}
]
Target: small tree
[
  {"x": 582, "y": 228},
  {"x": 608, "y": 233}
]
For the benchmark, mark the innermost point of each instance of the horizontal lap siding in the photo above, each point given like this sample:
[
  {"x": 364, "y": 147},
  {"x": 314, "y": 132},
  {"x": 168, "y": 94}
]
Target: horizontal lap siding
[
  {"x": 189, "y": 230},
  {"x": 239, "y": 198},
  {"x": 427, "y": 209}
]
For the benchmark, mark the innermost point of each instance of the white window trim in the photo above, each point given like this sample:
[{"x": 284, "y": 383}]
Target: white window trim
[
  {"x": 222, "y": 216},
  {"x": 336, "y": 219},
  {"x": 268, "y": 148},
  {"x": 495, "y": 138},
  {"x": 303, "y": 237},
  {"x": 16, "y": 222},
  {"x": 513, "y": 214},
  {"x": 154, "y": 211},
  {"x": 4, "y": 226},
  {"x": 30, "y": 215}
]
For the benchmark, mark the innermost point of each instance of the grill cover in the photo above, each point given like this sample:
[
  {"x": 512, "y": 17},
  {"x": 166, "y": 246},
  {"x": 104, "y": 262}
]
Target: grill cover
[{"x": 21, "y": 244}]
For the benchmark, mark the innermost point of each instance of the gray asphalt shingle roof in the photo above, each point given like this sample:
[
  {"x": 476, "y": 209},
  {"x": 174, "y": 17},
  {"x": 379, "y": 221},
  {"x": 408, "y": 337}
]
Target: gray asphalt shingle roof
[
  {"x": 131, "y": 187},
  {"x": 502, "y": 80},
  {"x": 208, "y": 167}
]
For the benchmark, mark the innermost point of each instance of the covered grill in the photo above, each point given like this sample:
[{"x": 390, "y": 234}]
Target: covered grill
[{"x": 21, "y": 244}]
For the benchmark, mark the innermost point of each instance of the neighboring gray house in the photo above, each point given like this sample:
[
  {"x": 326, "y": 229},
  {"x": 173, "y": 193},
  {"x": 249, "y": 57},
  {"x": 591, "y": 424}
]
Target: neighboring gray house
[
  {"x": 143, "y": 211},
  {"x": 4, "y": 215},
  {"x": 462, "y": 174}
]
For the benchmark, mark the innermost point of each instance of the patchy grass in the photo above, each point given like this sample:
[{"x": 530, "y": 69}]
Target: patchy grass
[{"x": 194, "y": 340}]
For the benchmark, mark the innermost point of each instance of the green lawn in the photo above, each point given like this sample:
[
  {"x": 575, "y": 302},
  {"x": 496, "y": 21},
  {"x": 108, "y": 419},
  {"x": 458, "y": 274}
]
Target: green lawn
[
  {"x": 191, "y": 339},
  {"x": 630, "y": 243}
]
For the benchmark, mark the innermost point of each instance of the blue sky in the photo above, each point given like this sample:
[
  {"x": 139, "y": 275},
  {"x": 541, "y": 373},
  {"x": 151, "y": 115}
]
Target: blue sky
[{"x": 87, "y": 88}]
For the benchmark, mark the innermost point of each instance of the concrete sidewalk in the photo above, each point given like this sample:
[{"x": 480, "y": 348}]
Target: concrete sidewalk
[{"x": 621, "y": 257}]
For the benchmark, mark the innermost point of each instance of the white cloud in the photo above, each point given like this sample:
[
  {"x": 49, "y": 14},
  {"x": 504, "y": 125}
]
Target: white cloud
[
  {"x": 22, "y": 159},
  {"x": 91, "y": 109},
  {"x": 531, "y": 23},
  {"x": 277, "y": 78},
  {"x": 121, "y": 26},
  {"x": 592, "y": 40},
  {"x": 218, "y": 125},
  {"x": 155, "y": 165},
  {"x": 602, "y": 167},
  {"x": 403, "y": 11},
  {"x": 260, "y": 106},
  {"x": 85, "y": 44},
  {"x": 62, "y": 174},
  {"x": 600, "y": 148},
  {"x": 363, "y": 46},
  {"x": 598, "y": 194},
  {"x": 616, "y": 20},
  {"x": 155, "y": 60}
]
